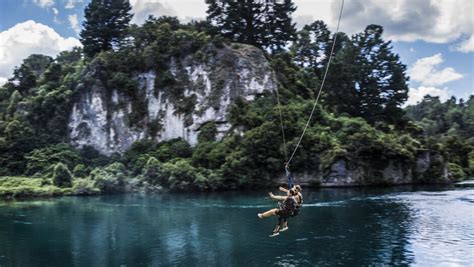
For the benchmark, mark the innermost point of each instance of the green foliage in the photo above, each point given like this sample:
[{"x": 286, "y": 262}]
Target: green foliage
[
  {"x": 207, "y": 132},
  {"x": 174, "y": 148},
  {"x": 80, "y": 171},
  {"x": 153, "y": 172},
  {"x": 111, "y": 178},
  {"x": 456, "y": 171},
  {"x": 105, "y": 25},
  {"x": 84, "y": 187},
  {"x": 359, "y": 118},
  {"x": 183, "y": 176},
  {"x": 265, "y": 24},
  {"x": 62, "y": 177},
  {"x": 26, "y": 187},
  {"x": 40, "y": 161},
  {"x": 448, "y": 126}
]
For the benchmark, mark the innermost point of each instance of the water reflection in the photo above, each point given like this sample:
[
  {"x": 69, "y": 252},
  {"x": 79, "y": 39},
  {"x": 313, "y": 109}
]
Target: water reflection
[{"x": 356, "y": 227}]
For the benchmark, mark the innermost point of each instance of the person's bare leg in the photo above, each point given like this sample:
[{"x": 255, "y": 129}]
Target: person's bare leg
[
  {"x": 284, "y": 225},
  {"x": 277, "y": 228},
  {"x": 267, "y": 214}
]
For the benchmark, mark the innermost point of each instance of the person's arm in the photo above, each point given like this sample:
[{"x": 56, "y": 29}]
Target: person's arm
[
  {"x": 279, "y": 198},
  {"x": 282, "y": 189}
]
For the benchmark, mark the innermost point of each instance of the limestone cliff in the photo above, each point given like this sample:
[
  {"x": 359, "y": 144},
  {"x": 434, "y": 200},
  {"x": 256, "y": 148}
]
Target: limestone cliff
[
  {"x": 429, "y": 167},
  {"x": 175, "y": 102}
]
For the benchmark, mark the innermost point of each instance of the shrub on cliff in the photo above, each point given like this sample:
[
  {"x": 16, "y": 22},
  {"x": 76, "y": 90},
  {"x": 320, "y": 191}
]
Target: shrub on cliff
[
  {"x": 62, "y": 177},
  {"x": 84, "y": 187},
  {"x": 183, "y": 176},
  {"x": 153, "y": 171},
  {"x": 456, "y": 171},
  {"x": 110, "y": 179},
  {"x": 80, "y": 171},
  {"x": 40, "y": 160}
]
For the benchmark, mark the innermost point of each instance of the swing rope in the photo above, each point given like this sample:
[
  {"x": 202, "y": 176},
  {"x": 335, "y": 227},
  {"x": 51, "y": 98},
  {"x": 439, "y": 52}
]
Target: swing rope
[{"x": 315, "y": 102}]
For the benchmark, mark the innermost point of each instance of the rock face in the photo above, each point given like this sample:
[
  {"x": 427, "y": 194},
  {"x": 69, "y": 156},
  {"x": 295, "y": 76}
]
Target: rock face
[
  {"x": 174, "y": 103},
  {"x": 428, "y": 167}
]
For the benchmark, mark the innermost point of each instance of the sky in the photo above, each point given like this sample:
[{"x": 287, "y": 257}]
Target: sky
[{"x": 434, "y": 38}]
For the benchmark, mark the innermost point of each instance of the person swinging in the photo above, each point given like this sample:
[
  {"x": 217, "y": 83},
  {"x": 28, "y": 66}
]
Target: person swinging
[
  {"x": 289, "y": 205},
  {"x": 284, "y": 211}
]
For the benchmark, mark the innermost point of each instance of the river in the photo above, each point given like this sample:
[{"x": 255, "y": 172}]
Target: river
[{"x": 418, "y": 226}]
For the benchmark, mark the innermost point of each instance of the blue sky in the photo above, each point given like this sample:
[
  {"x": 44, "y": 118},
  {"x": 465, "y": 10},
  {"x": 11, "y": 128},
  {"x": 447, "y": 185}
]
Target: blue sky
[{"x": 434, "y": 38}]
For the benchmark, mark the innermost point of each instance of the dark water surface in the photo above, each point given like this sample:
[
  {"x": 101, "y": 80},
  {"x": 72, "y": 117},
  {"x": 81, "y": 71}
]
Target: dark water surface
[{"x": 352, "y": 227}]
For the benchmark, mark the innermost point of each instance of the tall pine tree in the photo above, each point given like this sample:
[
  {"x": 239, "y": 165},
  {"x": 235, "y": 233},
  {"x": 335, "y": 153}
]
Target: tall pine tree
[
  {"x": 312, "y": 47},
  {"x": 105, "y": 25},
  {"x": 366, "y": 79},
  {"x": 265, "y": 24},
  {"x": 381, "y": 81}
]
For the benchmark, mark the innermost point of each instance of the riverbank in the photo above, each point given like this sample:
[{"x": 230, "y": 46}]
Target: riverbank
[
  {"x": 20, "y": 187},
  {"x": 14, "y": 187}
]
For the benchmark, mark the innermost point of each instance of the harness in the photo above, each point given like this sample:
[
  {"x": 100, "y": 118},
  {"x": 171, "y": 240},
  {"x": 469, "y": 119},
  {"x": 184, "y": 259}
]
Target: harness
[{"x": 289, "y": 206}]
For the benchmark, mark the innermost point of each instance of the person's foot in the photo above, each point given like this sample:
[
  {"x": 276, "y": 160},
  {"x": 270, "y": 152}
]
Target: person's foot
[
  {"x": 274, "y": 234},
  {"x": 260, "y": 216},
  {"x": 284, "y": 229}
]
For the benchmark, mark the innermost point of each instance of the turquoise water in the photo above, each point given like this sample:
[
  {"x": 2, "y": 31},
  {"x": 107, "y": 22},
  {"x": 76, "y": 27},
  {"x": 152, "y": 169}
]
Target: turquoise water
[{"x": 348, "y": 227}]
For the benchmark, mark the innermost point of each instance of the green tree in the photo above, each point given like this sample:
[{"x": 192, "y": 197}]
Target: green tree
[
  {"x": 265, "y": 24},
  {"x": 153, "y": 171},
  {"x": 311, "y": 45},
  {"x": 281, "y": 29},
  {"x": 207, "y": 132},
  {"x": 381, "y": 82},
  {"x": 367, "y": 79},
  {"x": 68, "y": 57},
  {"x": 105, "y": 25},
  {"x": 62, "y": 177},
  {"x": 29, "y": 71}
]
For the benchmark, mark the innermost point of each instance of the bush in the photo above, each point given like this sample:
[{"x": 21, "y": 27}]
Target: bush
[
  {"x": 84, "y": 187},
  {"x": 110, "y": 179},
  {"x": 207, "y": 132},
  {"x": 80, "y": 171},
  {"x": 152, "y": 171},
  {"x": 182, "y": 176},
  {"x": 174, "y": 148},
  {"x": 456, "y": 171},
  {"x": 62, "y": 176},
  {"x": 40, "y": 160}
]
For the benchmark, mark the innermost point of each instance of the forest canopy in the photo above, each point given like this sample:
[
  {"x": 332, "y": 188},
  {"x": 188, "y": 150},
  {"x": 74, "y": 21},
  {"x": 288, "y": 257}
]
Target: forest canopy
[{"x": 361, "y": 117}]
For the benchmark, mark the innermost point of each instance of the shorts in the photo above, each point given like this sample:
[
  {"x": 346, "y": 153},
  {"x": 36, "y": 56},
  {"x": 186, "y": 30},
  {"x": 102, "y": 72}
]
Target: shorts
[{"x": 283, "y": 213}]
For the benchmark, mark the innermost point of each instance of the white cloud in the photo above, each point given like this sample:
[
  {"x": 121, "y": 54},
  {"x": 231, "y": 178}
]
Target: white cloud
[
  {"x": 44, "y": 3},
  {"x": 3, "y": 80},
  {"x": 56, "y": 13},
  {"x": 28, "y": 38},
  {"x": 144, "y": 8},
  {"x": 466, "y": 46},
  {"x": 437, "y": 21},
  {"x": 74, "y": 23},
  {"x": 415, "y": 95},
  {"x": 71, "y": 4},
  {"x": 425, "y": 71}
]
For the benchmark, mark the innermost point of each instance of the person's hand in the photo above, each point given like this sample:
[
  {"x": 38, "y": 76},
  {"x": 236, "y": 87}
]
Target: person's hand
[
  {"x": 281, "y": 188},
  {"x": 270, "y": 194}
]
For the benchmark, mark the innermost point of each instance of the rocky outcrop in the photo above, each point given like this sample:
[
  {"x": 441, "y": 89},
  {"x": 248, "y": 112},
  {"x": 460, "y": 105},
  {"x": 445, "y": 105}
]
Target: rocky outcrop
[
  {"x": 174, "y": 103},
  {"x": 428, "y": 167}
]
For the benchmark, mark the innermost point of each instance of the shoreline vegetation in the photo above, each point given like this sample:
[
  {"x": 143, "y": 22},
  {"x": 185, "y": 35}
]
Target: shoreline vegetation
[
  {"x": 24, "y": 188},
  {"x": 360, "y": 132}
]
